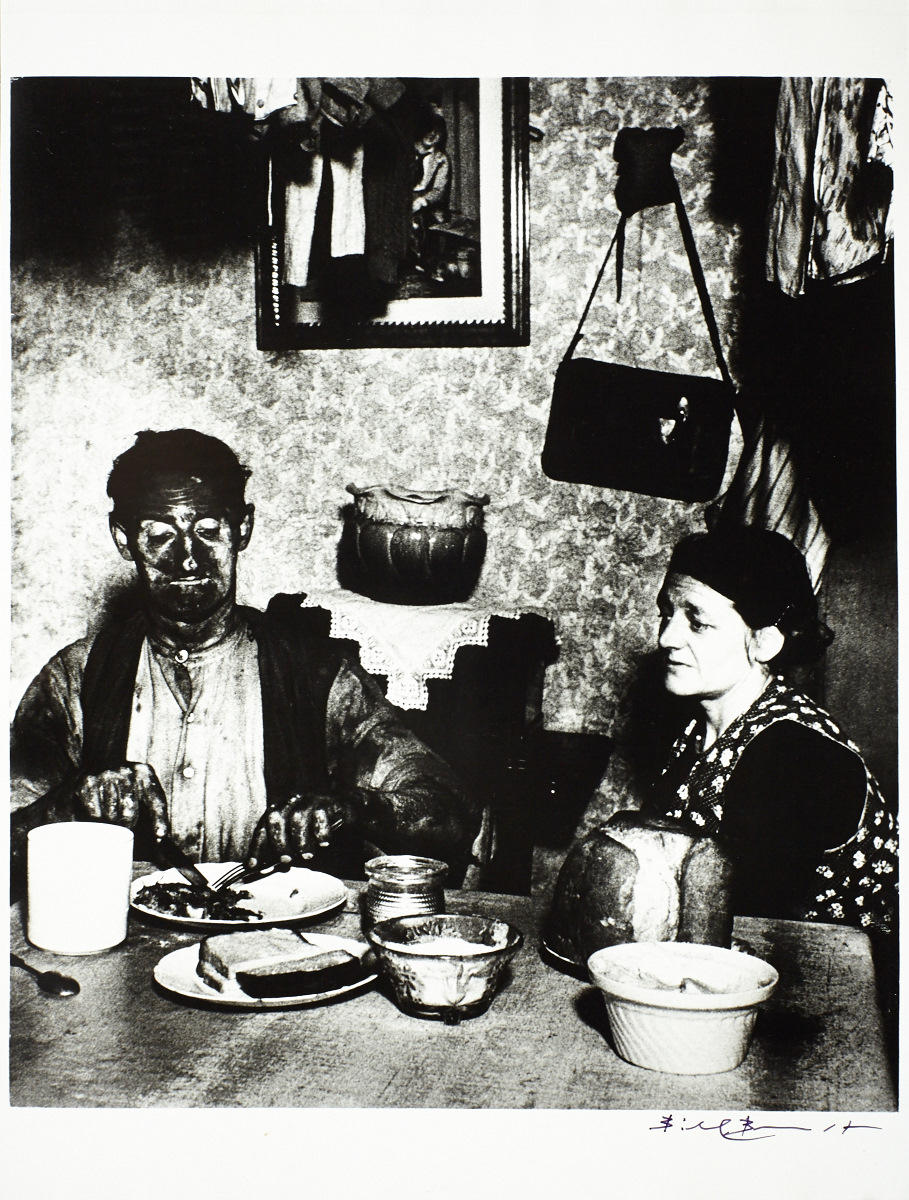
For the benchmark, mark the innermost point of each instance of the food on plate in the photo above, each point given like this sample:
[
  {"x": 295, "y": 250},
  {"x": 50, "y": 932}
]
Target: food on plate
[
  {"x": 197, "y": 903},
  {"x": 639, "y": 880},
  {"x": 276, "y": 962}
]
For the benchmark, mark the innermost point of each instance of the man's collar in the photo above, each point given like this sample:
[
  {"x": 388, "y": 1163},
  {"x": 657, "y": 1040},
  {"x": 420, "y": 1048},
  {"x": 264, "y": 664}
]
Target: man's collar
[{"x": 180, "y": 650}]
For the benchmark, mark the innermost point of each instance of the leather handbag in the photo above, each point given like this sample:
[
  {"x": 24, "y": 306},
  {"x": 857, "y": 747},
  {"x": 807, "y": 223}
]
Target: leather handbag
[{"x": 658, "y": 433}]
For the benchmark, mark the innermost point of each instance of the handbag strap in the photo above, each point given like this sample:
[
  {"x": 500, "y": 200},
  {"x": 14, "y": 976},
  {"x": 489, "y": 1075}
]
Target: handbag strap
[
  {"x": 694, "y": 262},
  {"x": 619, "y": 235},
  {"x": 701, "y": 284}
]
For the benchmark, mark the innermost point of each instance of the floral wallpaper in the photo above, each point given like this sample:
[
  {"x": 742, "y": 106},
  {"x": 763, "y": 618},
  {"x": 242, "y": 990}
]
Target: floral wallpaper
[{"x": 143, "y": 341}]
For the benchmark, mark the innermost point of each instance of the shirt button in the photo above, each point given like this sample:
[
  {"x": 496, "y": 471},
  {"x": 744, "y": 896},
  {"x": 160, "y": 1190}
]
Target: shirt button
[
  {"x": 190, "y": 717},
  {"x": 181, "y": 656},
  {"x": 188, "y": 772},
  {"x": 260, "y": 103}
]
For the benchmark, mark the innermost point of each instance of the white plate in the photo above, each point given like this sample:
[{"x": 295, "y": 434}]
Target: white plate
[
  {"x": 559, "y": 960},
  {"x": 177, "y": 973},
  {"x": 282, "y": 897}
]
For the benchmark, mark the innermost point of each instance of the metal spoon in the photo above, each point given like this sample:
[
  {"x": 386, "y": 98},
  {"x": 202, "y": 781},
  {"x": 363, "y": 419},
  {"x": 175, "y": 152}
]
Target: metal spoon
[{"x": 51, "y": 982}]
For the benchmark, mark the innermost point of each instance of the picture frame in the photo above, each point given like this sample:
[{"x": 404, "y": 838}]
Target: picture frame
[{"x": 463, "y": 276}]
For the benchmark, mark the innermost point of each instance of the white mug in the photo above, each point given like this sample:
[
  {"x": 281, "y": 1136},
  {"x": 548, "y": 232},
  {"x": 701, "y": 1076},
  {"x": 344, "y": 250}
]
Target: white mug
[{"x": 79, "y": 874}]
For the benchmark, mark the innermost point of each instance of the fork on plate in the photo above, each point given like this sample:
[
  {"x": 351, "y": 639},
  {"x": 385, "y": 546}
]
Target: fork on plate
[{"x": 240, "y": 873}]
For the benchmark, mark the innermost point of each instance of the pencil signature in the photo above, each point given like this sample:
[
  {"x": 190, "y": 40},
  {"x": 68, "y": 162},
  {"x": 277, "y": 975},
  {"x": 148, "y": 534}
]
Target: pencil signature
[{"x": 744, "y": 1129}]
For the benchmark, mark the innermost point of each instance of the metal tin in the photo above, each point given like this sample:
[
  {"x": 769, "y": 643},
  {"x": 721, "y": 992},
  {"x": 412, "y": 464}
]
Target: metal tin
[{"x": 402, "y": 885}]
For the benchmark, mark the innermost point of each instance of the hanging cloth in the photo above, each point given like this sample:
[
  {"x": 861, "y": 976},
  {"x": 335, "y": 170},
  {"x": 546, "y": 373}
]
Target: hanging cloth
[
  {"x": 257, "y": 96},
  {"x": 348, "y": 217},
  {"x": 831, "y": 190},
  {"x": 768, "y": 489}
]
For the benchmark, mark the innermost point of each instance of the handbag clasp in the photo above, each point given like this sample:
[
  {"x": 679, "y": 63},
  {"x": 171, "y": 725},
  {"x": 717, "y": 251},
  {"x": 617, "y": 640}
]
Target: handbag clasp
[{"x": 669, "y": 426}]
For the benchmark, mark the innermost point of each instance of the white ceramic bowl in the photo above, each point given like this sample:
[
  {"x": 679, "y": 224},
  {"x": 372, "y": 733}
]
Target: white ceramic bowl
[{"x": 679, "y": 1006}]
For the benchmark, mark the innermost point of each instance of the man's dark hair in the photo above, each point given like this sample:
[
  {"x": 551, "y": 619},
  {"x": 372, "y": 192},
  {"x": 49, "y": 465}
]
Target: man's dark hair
[{"x": 176, "y": 452}]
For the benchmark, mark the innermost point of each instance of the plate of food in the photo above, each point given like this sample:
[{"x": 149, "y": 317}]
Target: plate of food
[
  {"x": 267, "y": 968},
  {"x": 279, "y": 898}
]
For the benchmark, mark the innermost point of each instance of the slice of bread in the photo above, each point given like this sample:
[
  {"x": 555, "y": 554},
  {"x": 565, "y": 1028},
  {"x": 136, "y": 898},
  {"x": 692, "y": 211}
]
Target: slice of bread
[{"x": 275, "y": 962}]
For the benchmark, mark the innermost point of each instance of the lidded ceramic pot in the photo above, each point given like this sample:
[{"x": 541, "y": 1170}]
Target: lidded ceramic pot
[{"x": 416, "y": 547}]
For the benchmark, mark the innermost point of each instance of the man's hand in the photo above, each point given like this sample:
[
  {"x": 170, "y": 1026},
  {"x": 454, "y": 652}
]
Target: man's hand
[
  {"x": 299, "y": 830},
  {"x": 123, "y": 795}
]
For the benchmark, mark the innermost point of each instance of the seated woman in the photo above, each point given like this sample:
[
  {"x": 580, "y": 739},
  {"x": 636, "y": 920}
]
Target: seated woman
[
  {"x": 760, "y": 770},
  {"x": 762, "y": 767}
]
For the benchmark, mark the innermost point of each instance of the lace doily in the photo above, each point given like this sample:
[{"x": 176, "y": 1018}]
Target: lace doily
[{"x": 407, "y": 643}]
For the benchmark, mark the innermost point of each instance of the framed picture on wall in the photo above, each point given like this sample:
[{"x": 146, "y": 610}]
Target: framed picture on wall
[{"x": 395, "y": 214}]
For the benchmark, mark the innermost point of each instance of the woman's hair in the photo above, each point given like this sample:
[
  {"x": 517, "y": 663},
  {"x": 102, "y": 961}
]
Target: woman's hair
[
  {"x": 181, "y": 452},
  {"x": 766, "y": 578}
]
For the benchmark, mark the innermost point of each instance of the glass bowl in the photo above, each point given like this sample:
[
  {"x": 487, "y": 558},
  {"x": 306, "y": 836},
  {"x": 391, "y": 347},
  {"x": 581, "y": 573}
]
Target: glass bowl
[{"x": 446, "y": 966}]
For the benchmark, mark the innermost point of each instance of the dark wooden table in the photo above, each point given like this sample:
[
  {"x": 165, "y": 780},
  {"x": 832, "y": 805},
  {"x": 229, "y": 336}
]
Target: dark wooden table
[{"x": 122, "y": 1042}]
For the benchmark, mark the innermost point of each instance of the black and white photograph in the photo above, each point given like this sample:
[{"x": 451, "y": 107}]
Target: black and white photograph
[
  {"x": 402, "y": 207},
  {"x": 453, "y": 647}
]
